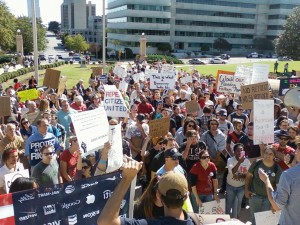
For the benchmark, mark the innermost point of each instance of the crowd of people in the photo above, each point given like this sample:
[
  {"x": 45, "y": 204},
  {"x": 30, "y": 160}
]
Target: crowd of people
[{"x": 207, "y": 154}]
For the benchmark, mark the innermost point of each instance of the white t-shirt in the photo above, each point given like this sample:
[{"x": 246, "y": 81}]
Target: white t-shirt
[{"x": 243, "y": 169}]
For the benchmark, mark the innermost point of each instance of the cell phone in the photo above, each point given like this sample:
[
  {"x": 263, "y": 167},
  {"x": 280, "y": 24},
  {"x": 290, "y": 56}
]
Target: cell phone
[{"x": 242, "y": 154}]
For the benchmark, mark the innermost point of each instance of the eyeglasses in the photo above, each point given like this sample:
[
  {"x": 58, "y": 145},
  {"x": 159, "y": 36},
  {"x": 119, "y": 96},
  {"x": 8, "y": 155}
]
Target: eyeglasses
[
  {"x": 25, "y": 122},
  {"x": 85, "y": 167},
  {"x": 191, "y": 125},
  {"x": 204, "y": 157},
  {"x": 240, "y": 109},
  {"x": 48, "y": 153}
]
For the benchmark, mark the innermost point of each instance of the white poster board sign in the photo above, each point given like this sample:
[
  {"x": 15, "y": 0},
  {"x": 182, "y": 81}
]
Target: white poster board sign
[
  {"x": 213, "y": 207},
  {"x": 162, "y": 81},
  {"x": 91, "y": 129},
  {"x": 120, "y": 71},
  {"x": 115, "y": 155},
  {"x": 166, "y": 68},
  {"x": 9, "y": 178},
  {"x": 260, "y": 73},
  {"x": 114, "y": 103},
  {"x": 186, "y": 79},
  {"x": 263, "y": 119},
  {"x": 230, "y": 83},
  {"x": 123, "y": 85},
  {"x": 138, "y": 76},
  {"x": 216, "y": 219},
  {"x": 267, "y": 217}
]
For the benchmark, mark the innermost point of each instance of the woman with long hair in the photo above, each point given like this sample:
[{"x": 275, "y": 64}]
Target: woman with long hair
[{"x": 27, "y": 129}]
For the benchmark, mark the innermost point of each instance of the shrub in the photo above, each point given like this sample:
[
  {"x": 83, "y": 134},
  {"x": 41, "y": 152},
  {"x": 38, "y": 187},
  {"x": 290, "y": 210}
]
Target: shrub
[{"x": 169, "y": 59}]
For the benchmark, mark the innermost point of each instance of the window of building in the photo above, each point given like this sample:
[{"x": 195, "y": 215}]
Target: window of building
[{"x": 221, "y": 3}]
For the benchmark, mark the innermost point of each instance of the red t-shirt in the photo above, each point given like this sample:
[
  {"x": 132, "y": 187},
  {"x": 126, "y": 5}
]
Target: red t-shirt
[
  {"x": 204, "y": 177},
  {"x": 287, "y": 151},
  {"x": 71, "y": 161},
  {"x": 78, "y": 108},
  {"x": 146, "y": 109}
]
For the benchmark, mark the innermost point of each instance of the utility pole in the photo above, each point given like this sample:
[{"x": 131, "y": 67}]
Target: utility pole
[
  {"x": 103, "y": 38},
  {"x": 35, "y": 45}
]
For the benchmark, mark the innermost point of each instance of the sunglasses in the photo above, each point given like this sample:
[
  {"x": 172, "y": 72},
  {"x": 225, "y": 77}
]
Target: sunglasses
[
  {"x": 283, "y": 139},
  {"x": 25, "y": 122},
  {"x": 85, "y": 167},
  {"x": 48, "y": 154},
  {"x": 191, "y": 125},
  {"x": 240, "y": 109},
  {"x": 205, "y": 157}
]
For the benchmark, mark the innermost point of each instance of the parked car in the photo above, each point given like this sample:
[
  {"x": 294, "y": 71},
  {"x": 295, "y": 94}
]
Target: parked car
[
  {"x": 59, "y": 56},
  {"x": 225, "y": 56},
  {"x": 42, "y": 57},
  {"x": 197, "y": 61},
  {"x": 217, "y": 60},
  {"x": 284, "y": 58},
  {"x": 76, "y": 59},
  {"x": 255, "y": 55}
]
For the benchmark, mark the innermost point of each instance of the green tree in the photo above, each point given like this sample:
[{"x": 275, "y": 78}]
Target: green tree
[
  {"x": 54, "y": 26},
  {"x": 25, "y": 25},
  {"x": 76, "y": 43},
  {"x": 262, "y": 44},
  {"x": 288, "y": 43},
  {"x": 164, "y": 47},
  {"x": 7, "y": 28},
  {"x": 222, "y": 44}
]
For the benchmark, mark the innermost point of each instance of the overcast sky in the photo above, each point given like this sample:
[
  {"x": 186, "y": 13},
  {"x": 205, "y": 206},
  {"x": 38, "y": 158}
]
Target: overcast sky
[{"x": 50, "y": 9}]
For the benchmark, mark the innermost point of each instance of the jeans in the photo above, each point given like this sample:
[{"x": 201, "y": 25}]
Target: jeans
[
  {"x": 234, "y": 193},
  {"x": 258, "y": 204},
  {"x": 206, "y": 198}
]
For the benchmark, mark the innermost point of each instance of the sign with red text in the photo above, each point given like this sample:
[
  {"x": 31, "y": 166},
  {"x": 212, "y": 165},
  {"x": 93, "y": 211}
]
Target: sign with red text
[
  {"x": 114, "y": 103},
  {"x": 288, "y": 83},
  {"x": 263, "y": 119}
]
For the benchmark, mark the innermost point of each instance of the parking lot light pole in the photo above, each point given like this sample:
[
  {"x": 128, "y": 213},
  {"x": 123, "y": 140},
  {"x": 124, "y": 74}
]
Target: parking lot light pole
[{"x": 35, "y": 45}]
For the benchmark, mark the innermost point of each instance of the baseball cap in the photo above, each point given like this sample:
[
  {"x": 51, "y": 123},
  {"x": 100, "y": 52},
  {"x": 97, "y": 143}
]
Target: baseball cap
[
  {"x": 173, "y": 153},
  {"x": 173, "y": 181},
  {"x": 141, "y": 117},
  {"x": 283, "y": 133},
  {"x": 223, "y": 112}
]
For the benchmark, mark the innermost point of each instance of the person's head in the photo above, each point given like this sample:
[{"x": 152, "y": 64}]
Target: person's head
[
  {"x": 24, "y": 123},
  {"x": 189, "y": 124},
  {"x": 165, "y": 113},
  {"x": 22, "y": 184},
  {"x": 283, "y": 138},
  {"x": 237, "y": 149},
  {"x": 40, "y": 91},
  {"x": 193, "y": 135},
  {"x": 173, "y": 190},
  {"x": 250, "y": 129},
  {"x": 293, "y": 132},
  {"x": 44, "y": 105},
  {"x": 65, "y": 105},
  {"x": 183, "y": 94},
  {"x": 140, "y": 118},
  {"x": 213, "y": 124},
  {"x": 31, "y": 105},
  {"x": 47, "y": 153},
  {"x": 222, "y": 114},
  {"x": 237, "y": 124},
  {"x": 53, "y": 97},
  {"x": 96, "y": 99},
  {"x": 284, "y": 124},
  {"x": 284, "y": 112},
  {"x": 143, "y": 98},
  {"x": 78, "y": 100},
  {"x": 86, "y": 167},
  {"x": 10, "y": 130},
  {"x": 157, "y": 142},
  {"x": 239, "y": 109},
  {"x": 176, "y": 109},
  {"x": 73, "y": 141},
  {"x": 204, "y": 156},
  {"x": 172, "y": 157},
  {"x": 167, "y": 100},
  {"x": 170, "y": 143},
  {"x": 157, "y": 94},
  {"x": 10, "y": 157},
  {"x": 47, "y": 115},
  {"x": 270, "y": 154},
  {"x": 42, "y": 125},
  {"x": 206, "y": 111},
  {"x": 297, "y": 153}
]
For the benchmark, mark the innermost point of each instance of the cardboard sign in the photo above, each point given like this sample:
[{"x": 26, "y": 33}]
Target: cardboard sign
[
  {"x": 254, "y": 91},
  {"x": 10, "y": 177},
  {"x": 159, "y": 128},
  {"x": 192, "y": 106},
  {"x": 33, "y": 117},
  {"x": 62, "y": 85},
  {"x": 114, "y": 103},
  {"x": 260, "y": 73},
  {"x": 288, "y": 83},
  {"x": 162, "y": 81},
  {"x": 97, "y": 71},
  {"x": 28, "y": 95},
  {"x": 51, "y": 79},
  {"x": 91, "y": 129},
  {"x": 230, "y": 83},
  {"x": 267, "y": 217},
  {"x": 213, "y": 207},
  {"x": 5, "y": 109},
  {"x": 263, "y": 119}
]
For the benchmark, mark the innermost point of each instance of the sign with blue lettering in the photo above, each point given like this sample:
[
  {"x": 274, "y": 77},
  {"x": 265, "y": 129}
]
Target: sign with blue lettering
[{"x": 77, "y": 202}]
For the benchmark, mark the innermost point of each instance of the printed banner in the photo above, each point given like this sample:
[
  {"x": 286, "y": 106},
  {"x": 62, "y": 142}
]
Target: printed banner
[
  {"x": 263, "y": 119},
  {"x": 114, "y": 103},
  {"x": 162, "y": 81},
  {"x": 159, "y": 128},
  {"x": 27, "y": 95},
  {"x": 91, "y": 129},
  {"x": 267, "y": 217},
  {"x": 77, "y": 202},
  {"x": 288, "y": 83},
  {"x": 260, "y": 73},
  {"x": 213, "y": 207},
  {"x": 230, "y": 83},
  {"x": 5, "y": 109},
  {"x": 254, "y": 91},
  {"x": 10, "y": 177},
  {"x": 192, "y": 106}
]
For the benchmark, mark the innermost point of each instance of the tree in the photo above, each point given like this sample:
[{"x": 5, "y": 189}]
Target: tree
[
  {"x": 54, "y": 26},
  {"x": 164, "y": 47},
  {"x": 76, "y": 43},
  {"x": 222, "y": 44},
  {"x": 7, "y": 28},
  {"x": 262, "y": 44},
  {"x": 25, "y": 25},
  {"x": 288, "y": 43}
]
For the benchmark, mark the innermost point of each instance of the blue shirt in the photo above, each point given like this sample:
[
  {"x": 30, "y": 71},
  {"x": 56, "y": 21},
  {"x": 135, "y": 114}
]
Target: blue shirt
[
  {"x": 177, "y": 169},
  {"x": 287, "y": 196},
  {"x": 34, "y": 144},
  {"x": 64, "y": 119}
]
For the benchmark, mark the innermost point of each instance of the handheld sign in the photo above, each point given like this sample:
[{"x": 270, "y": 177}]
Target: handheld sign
[
  {"x": 97, "y": 71},
  {"x": 213, "y": 207},
  {"x": 267, "y": 217},
  {"x": 162, "y": 81},
  {"x": 5, "y": 109},
  {"x": 192, "y": 106},
  {"x": 61, "y": 86},
  {"x": 28, "y": 95},
  {"x": 159, "y": 127},
  {"x": 260, "y": 73},
  {"x": 52, "y": 78},
  {"x": 288, "y": 83},
  {"x": 10, "y": 177},
  {"x": 230, "y": 83},
  {"x": 254, "y": 91}
]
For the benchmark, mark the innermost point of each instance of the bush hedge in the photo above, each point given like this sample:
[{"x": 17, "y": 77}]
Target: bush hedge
[
  {"x": 11, "y": 75},
  {"x": 154, "y": 58}
]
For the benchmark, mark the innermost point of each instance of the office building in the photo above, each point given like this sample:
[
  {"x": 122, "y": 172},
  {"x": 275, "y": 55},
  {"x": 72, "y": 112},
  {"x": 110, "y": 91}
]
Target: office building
[
  {"x": 190, "y": 24},
  {"x": 37, "y": 8}
]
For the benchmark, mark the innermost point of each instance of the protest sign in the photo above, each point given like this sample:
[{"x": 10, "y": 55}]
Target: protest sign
[
  {"x": 192, "y": 106},
  {"x": 51, "y": 79},
  {"x": 263, "y": 119},
  {"x": 62, "y": 85},
  {"x": 115, "y": 154},
  {"x": 230, "y": 83},
  {"x": 267, "y": 217},
  {"x": 253, "y": 91},
  {"x": 123, "y": 85},
  {"x": 120, "y": 71},
  {"x": 97, "y": 71},
  {"x": 76, "y": 202},
  {"x": 217, "y": 219},
  {"x": 33, "y": 117},
  {"x": 162, "y": 81},
  {"x": 186, "y": 79},
  {"x": 213, "y": 207},
  {"x": 28, "y": 95},
  {"x": 5, "y": 109},
  {"x": 10, "y": 177},
  {"x": 274, "y": 85},
  {"x": 166, "y": 68},
  {"x": 138, "y": 76},
  {"x": 288, "y": 83},
  {"x": 91, "y": 129},
  {"x": 260, "y": 73},
  {"x": 114, "y": 103},
  {"x": 159, "y": 127}
]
